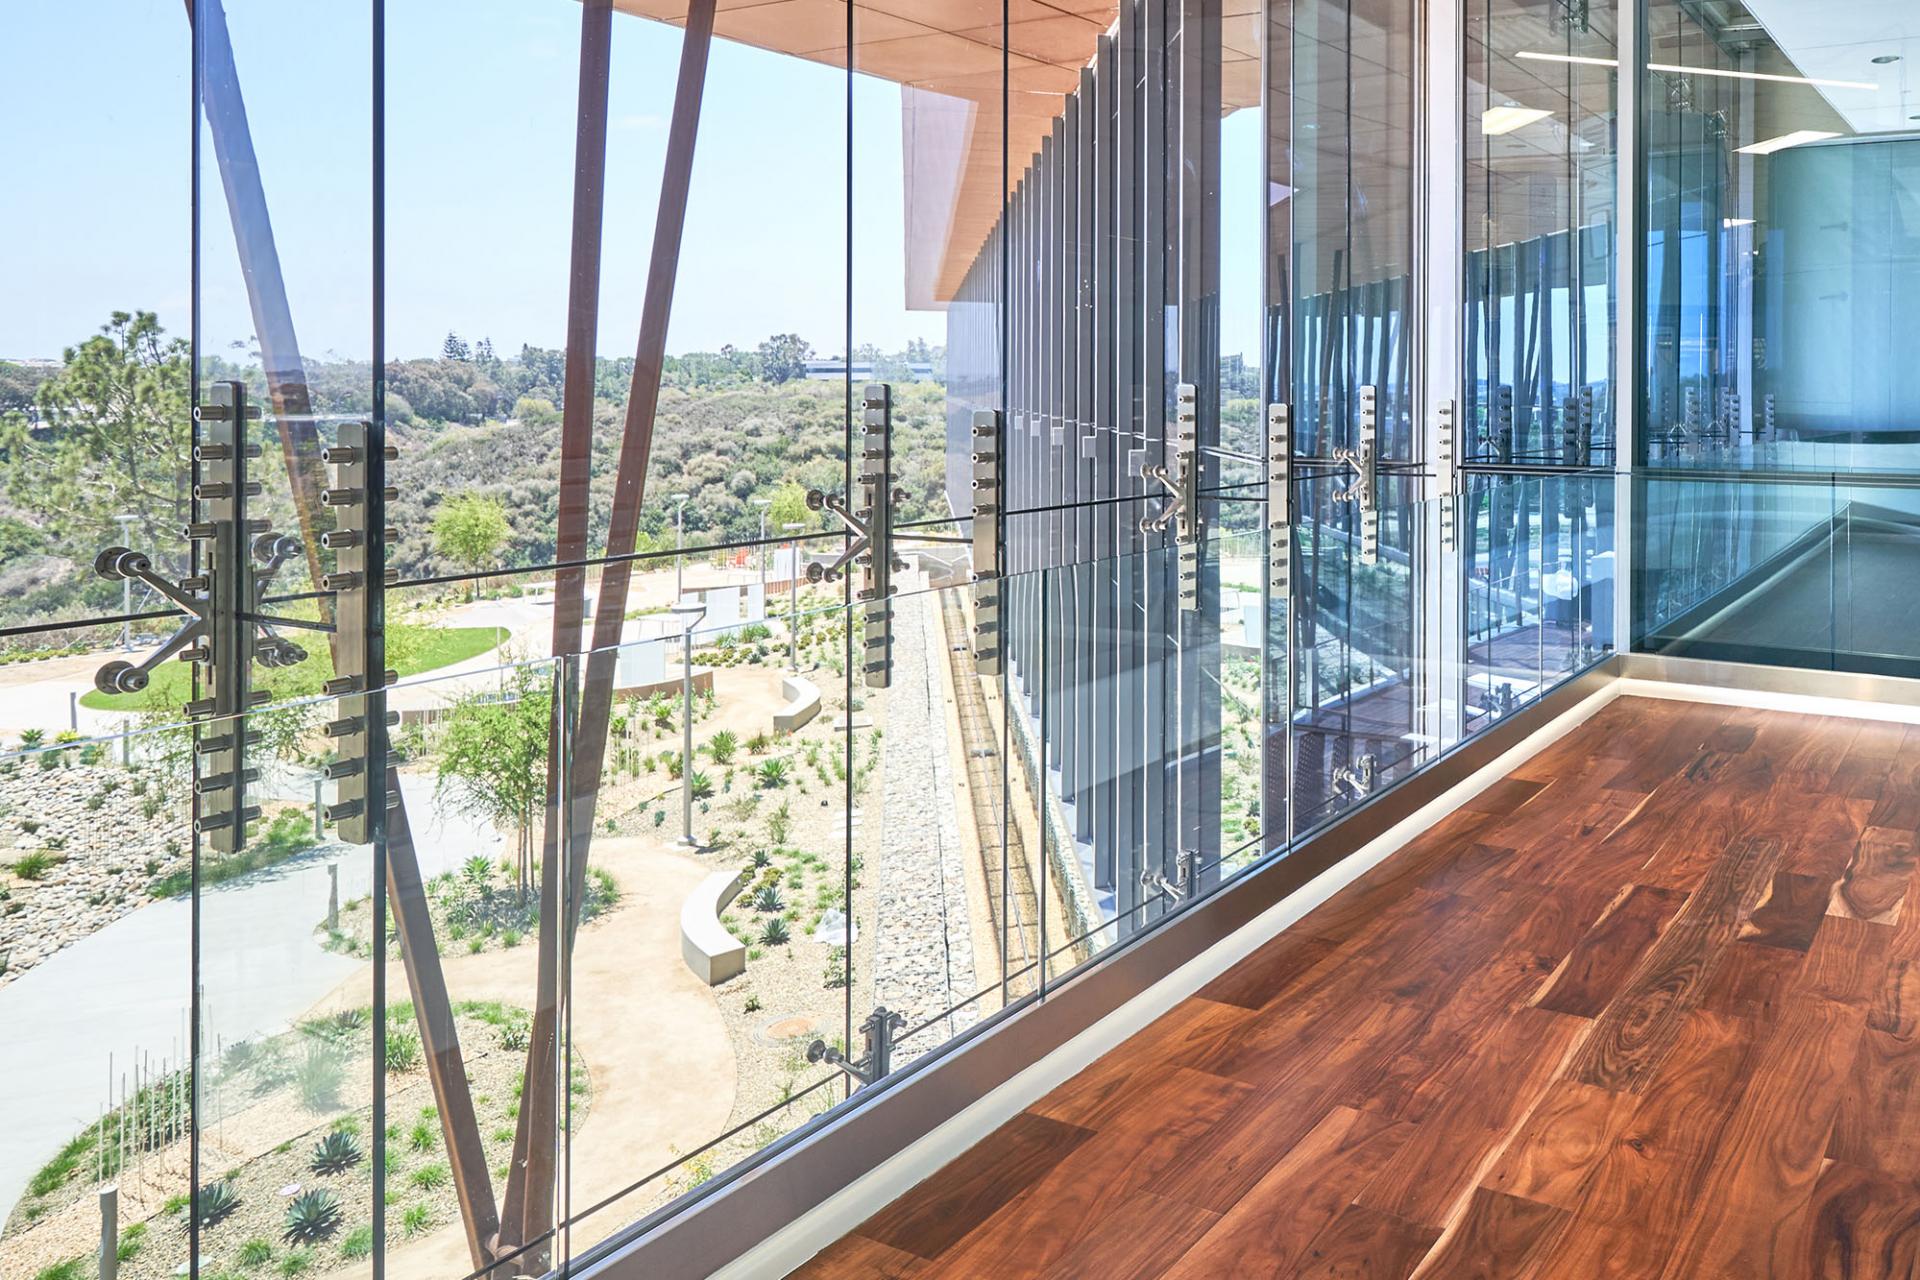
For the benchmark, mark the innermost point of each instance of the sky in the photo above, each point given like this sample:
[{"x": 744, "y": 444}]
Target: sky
[{"x": 481, "y": 99}]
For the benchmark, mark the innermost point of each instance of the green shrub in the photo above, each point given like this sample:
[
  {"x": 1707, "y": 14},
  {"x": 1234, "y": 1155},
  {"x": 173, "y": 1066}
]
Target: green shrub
[
  {"x": 429, "y": 1177},
  {"x": 403, "y": 1051},
  {"x": 416, "y": 1219},
  {"x": 358, "y": 1244},
  {"x": 216, "y": 1202},
  {"x": 71, "y": 1269},
  {"x": 255, "y": 1252},
  {"x": 336, "y": 1153},
  {"x": 310, "y": 1216},
  {"x": 295, "y": 1263},
  {"x": 722, "y": 745},
  {"x": 422, "y": 1136},
  {"x": 319, "y": 1077},
  {"x": 774, "y": 933},
  {"x": 35, "y": 865},
  {"x": 771, "y": 774},
  {"x": 131, "y": 1242}
]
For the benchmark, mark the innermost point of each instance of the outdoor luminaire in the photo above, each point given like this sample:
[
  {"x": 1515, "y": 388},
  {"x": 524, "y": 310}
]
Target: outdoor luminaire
[
  {"x": 679, "y": 542},
  {"x": 793, "y": 600},
  {"x": 689, "y": 612}
]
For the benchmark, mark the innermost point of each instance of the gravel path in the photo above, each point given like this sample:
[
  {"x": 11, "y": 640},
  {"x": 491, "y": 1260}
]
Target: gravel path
[{"x": 923, "y": 956}]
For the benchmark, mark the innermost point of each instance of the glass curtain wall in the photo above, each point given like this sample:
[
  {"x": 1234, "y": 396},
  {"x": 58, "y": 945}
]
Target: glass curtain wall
[
  {"x": 1777, "y": 461},
  {"x": 716, "y": 551}
]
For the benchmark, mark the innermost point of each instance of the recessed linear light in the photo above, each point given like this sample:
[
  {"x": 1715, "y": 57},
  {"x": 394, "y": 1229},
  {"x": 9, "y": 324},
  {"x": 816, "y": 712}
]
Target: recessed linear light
[
  {"x": 1784, "y": 141},
  {"x": 1495, "y": 121},
  {"x": 1701, "y": 71}
]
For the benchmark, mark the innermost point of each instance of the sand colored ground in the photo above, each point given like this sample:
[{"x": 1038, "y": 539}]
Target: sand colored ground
[{"x": 658, "y": 1057}]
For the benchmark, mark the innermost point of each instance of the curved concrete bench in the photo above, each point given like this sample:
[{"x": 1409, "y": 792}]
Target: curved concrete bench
[
  {"x": 803, "y": 704},
  {"x": 710, "y": 951}
]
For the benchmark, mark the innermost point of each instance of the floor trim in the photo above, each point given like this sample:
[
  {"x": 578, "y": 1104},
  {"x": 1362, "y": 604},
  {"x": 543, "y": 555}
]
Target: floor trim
[{"x": 1738, "y": 684}]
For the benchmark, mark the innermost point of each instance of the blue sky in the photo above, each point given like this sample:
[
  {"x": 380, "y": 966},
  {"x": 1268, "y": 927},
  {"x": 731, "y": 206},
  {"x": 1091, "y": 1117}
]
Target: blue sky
[{"x": 481, "y": 99}]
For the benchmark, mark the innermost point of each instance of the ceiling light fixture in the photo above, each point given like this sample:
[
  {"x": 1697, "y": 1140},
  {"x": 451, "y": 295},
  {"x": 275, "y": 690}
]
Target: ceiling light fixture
[
  {"x": 1784, "y": 141},
  {"x": 1731, "y": 223},
  {"x": 1701, "y": 71},
  {"x": 1886, "y": 58},
  {"x": 1495, "y": 121}
]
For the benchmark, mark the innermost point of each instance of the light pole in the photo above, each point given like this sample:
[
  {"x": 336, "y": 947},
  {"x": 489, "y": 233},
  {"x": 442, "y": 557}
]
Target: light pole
[
  {"x": 689, "y": 613},
  {"x": 679, "y": 541},
  {"x": 793, "y": 599},
  {"x": 765, "y": 505},
  {"x": 126, "y": 584}
]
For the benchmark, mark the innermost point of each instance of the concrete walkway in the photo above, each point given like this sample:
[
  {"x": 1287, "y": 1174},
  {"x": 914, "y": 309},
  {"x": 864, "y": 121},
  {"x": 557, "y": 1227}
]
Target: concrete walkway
[{"x": 124, "y": 990}]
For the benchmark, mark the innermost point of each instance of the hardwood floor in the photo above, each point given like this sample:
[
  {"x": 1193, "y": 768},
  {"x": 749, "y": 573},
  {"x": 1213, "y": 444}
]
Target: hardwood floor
[{"x": 1647, "y": 1009}]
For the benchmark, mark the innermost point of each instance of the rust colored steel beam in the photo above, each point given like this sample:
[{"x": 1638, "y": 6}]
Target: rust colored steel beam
[
  {"x": 232, "y": 138},
  {"x": 526, "y": 1208},
  {"x": 530, "y": 1184}
]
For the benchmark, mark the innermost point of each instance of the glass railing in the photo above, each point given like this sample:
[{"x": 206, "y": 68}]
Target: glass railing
[{"x": 1802, "y": 572}]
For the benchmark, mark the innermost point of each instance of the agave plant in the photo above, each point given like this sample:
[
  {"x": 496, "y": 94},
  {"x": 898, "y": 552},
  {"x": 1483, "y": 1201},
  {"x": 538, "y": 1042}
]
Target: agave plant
[
  {"x": 771, "y": 773},
  {"x": 768, "y": 899},
  {"x": 775, "y": 932},
  {"x": 335, "y": 1153},
  {"x": 216, "y": 1202},
  {"x": 311, "y": 1216}
]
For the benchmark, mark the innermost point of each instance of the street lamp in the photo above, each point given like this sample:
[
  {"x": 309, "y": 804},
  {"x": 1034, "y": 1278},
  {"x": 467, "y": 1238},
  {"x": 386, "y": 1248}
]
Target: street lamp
[
  {"x": 679, "y": 540},
  {"x": 765, "y": 505},
  {"x": 126, "y": 523},
  {"x": 793, "y": 600},
  {"x": 689, "y": 612}
]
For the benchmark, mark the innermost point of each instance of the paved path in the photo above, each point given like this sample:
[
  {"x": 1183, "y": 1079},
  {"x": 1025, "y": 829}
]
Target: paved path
[{"x": 124, "y": 989}]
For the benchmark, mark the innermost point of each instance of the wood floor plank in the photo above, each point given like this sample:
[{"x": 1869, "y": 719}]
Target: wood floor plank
[
  {"x": 929, "y": 1219},
  {"x": 855, "y": 1257},
  {"x": 1633, "y": 1035},
  {"x": 1750, "y": 1215},
  {"x": 1479, "y": 1111},
  {"x": 1875, "y": 884},
  {"x": 1587, "y": 981},
  {"x": 1499, "y": 1237},
  {"x": 1505, "y": 796},
  {"x": 1366, "y": 1244},
  {"x": 1093, "y": 1097},
  {"x": 1268, "y": 973},
  {"x": 1877, "y": 1125},
  {"x": 1152, "y": 1233},
  {"x": 1861, "y": 1226},
  {"x": 1752, "y": 981},
  {"x": 1092, "y": 1189},
  {"x": 1896, "y": 1004},
  {"x": 1561, "y": 1143},
  {"x": 1847, "y": 962},
  {"x": 1789, "y": 913},
  {"x": 1269, "y": 1228}
]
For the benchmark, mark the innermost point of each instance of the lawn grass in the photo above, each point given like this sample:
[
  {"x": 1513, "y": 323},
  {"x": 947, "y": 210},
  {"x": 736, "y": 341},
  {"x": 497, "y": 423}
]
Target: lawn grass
[{"x": 431, "y": 649}]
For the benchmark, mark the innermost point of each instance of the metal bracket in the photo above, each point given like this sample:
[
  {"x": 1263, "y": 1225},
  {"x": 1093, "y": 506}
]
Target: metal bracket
[
  {"x": 871, "y": 546},
  {"x": 226, "y": 633},
  {"x": 880, "y": 1030},
  {"x": 1447, "y": 435},
  {"x": 986, "y": 541},
  {"x": 1358, "y": 778},
  {"x": 1279, "y": 500},
  {"x": 1365, "y": 488},
  {"x": 359, "y": 559},
  {"x": 1179, "y": 475},
  {"x": 1186, "y": 875}
]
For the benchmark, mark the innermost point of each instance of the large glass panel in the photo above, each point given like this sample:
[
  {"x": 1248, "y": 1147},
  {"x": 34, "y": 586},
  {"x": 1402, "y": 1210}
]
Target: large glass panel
[
  {"x": 94, "y": 940},
  {"x": 1778, "y": 255},
  {"x": 1539, "y": 230}
]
